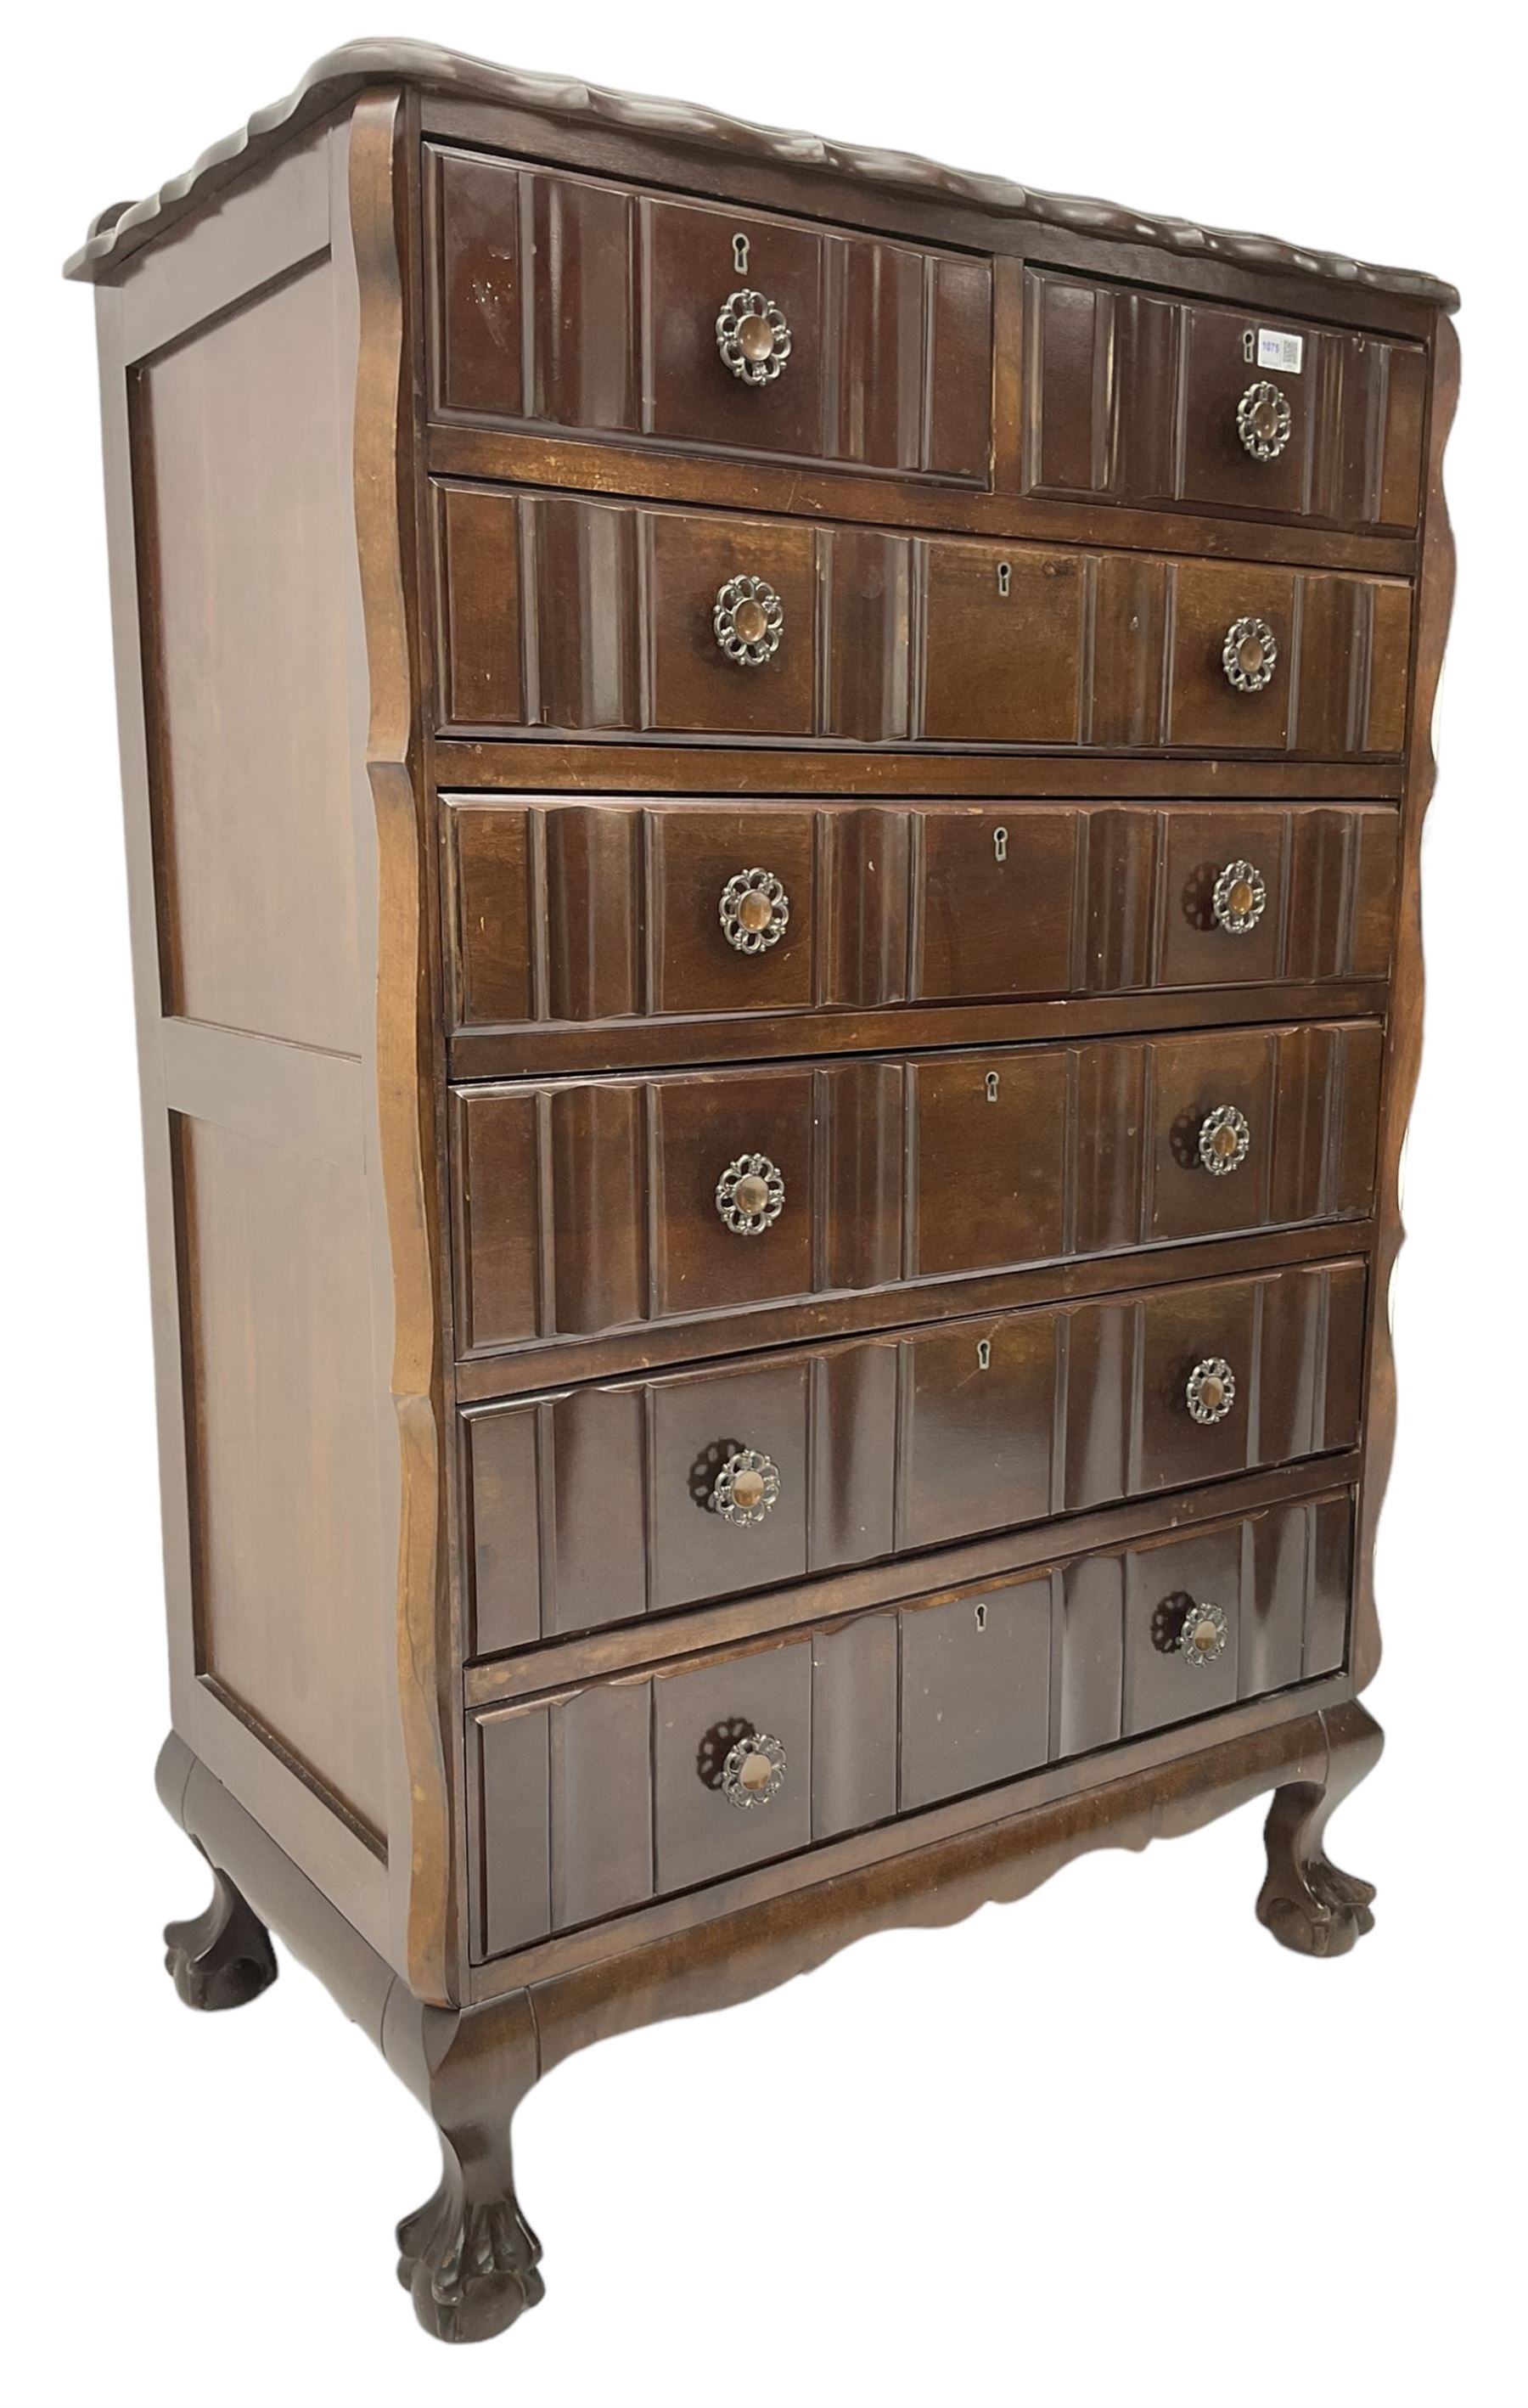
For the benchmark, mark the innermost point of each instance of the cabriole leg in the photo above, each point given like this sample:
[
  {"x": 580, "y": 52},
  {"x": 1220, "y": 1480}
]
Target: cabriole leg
[
  {"x": 468, "y": 2257},
  {"x": 1308, "y": 1902}
]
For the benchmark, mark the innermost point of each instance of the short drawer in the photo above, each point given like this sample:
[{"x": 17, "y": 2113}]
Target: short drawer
[
  {"x": 601, "y": 1503},
  {"x": 591, "y": 1205},
  {"x": 575, "y": 912},
  {"x": 595, "y": 1802},
  {"x": 1137, "y": 397},
  {"x": 566, "y": 301},
  {"x": 585, "y": 617}
]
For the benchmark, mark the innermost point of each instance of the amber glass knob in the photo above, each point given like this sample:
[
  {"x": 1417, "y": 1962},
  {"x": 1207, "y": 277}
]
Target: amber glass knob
[
  {"x": 1239, "y": 897},
  {"x": 750, "y": 619},
  {"x": 751, "y": 1195},
  {"x": 1224, "y": 1137},
  {"x": 1249, "y": 654},
  {"x": 747, "y": 1487},
  {"x": 753, "y": 1771},
  {"x": 1263, "y": 420},
  {"x": 753, "y": 337},
  {"x": 1211, "y": 1389},
  {"x": 1204, "y": 1635},
  {"x": 755, "y": 910}
]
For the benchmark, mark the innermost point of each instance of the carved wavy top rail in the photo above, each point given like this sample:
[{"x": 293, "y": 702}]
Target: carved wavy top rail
[{"x": 121, "y": 230}]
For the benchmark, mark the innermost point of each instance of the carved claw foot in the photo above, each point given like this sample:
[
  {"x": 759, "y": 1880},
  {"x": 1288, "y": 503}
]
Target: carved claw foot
[
  {"x": 469, "y": 2266},
  {"x": 1306, "y": 1901},
  {"x": 1317, "y": 1909},
  {"x": 222, "y": 1957}
]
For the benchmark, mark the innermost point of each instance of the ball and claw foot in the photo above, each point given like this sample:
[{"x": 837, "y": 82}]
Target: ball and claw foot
[
  {"x": 1308, "y": 1902},
  {"x": 470, "y": 2270},
  {"x": 222, "y": 1957}
]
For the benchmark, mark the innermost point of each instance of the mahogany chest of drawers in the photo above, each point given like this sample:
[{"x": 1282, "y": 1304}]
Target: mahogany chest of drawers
[{"x": 774, "y": 801}]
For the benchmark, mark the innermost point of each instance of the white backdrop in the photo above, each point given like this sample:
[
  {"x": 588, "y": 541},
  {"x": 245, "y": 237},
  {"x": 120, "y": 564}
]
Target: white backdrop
[{"x": 1111, "y": 2142}]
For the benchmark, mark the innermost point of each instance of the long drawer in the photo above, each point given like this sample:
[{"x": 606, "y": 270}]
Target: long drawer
[
  {"x": 572, "y": 911},
  {"x": 593, "y": 1802},
  {"x": 580, "y": 617},
  {"x": 592, "y": 1205},
  {"x": 604, "y": 1502}
]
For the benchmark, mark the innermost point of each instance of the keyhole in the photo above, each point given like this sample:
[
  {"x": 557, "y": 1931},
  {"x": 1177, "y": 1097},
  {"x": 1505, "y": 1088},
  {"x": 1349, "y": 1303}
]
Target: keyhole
[
  {"x": 739, "y": 253},
  {"x": 984, "y": 1354},
  {"x": 991, "y": 1086},
  {"x": 1249, "y": 346},
  {"x": 1000, "y": 843},
  {"x": 982, "y": 1618},
  {"x": 1004, "y": 575}
]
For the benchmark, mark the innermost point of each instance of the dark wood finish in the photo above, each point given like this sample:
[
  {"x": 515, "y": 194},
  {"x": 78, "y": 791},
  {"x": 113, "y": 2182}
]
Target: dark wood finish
[
  {"x": 588, "y": 1814},
  {"x": 586, "y": 617},
  {"x": 561, "y": 302},
  {"x": 587, "y": 912},
  {"x": 679, "y": 769},
  {"x": 1131, "y": 396},
  {"x": 608, "y": 466},
  {"x": 1306, "y": 1903},
  {"x": 594, "y": 1505},
  {"x": 639, "y": 1642},
  {"x": 222, "y": 1957},
  {"x": 582, "y": 1208},
  {"x": 424, "y": 471}
]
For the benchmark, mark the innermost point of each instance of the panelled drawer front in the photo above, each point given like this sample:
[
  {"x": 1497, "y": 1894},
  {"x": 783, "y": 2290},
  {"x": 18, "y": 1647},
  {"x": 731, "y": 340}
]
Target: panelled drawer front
[
  {"x": 584, "y": 617},
  {"x": 1134, "y": 397},
  {"x": 591, "y": 1205},
  {"x": 601, "y": 1503},
  {"x": 560, "y": 301},
  {"x": 586, "y": 911},
  {"x": 594, "y": 1802}
]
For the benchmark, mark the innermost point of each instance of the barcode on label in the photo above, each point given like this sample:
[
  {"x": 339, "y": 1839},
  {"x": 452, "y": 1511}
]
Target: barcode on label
[{"x": 1276, "y": 350}]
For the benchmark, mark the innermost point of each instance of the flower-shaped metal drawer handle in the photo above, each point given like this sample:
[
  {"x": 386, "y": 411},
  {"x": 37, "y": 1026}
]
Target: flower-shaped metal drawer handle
[
  {"x": 753, "y": 337},
  {"x": 1264, "y": 421},
  {"x": 1249, "y": 654},
  {"x": 1239, "y": 899},
  {"x": 747, "y": 1487},
  {"x": 1224, "y": 1137},
  {"x": 751, "y": 1195},
  {"x": 1206, "y": 1634},
  {"x": 755, "y": 910},
  {"x": 750, "y": 619},
  {"x": 754, "y": 1770},
  {"x": 1211, "y": 1389}
]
